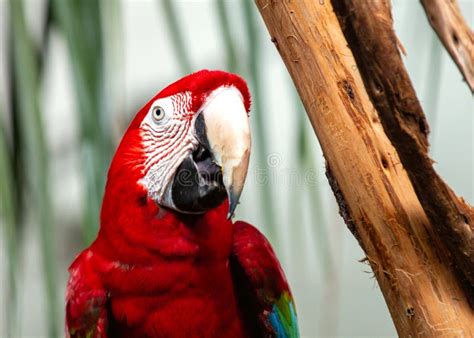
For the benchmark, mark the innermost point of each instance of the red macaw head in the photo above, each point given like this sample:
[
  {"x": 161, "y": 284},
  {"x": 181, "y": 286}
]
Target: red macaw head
[{"x": 189, "y": 146}]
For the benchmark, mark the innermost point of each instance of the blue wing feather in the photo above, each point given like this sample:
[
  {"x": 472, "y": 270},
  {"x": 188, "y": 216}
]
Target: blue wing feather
[
  {"x": 266, "y": 290},
  {"x": 283, "y": 318}
]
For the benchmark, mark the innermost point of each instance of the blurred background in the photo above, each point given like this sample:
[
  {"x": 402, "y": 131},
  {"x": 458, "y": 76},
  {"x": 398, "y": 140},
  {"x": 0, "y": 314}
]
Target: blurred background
[{"x": 73, "y": 74}]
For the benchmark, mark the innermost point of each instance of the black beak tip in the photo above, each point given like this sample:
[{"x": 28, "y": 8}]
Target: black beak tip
[{"x": 233, "y": 202}]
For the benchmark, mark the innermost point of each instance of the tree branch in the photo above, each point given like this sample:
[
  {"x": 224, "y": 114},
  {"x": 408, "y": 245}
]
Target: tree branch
[
  {"x": 368, "y": 28},
  {"x": 376, "y": 195},
  {"x": 447, "y": 21}
]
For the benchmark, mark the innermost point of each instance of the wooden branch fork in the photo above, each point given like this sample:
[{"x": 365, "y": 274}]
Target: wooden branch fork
[
  {"x": 417, "y": 234},
  {"x": 446, "y": 19}
]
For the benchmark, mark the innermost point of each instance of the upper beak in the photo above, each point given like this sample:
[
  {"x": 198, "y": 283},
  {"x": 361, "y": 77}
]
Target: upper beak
[{"x": 228, "y": 135}]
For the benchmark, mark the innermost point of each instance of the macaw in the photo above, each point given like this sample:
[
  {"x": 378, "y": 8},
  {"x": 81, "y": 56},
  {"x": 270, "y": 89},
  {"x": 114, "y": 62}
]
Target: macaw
[{"x": 168, "y": 260}]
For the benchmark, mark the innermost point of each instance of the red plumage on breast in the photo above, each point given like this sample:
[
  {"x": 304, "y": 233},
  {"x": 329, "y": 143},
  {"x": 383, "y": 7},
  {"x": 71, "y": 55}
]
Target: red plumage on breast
[{"x": 180, "y": 287}]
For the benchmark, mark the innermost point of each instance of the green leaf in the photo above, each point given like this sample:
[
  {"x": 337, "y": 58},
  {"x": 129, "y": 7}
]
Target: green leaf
[
  {"x": 177, "y": 36},
  {"x": 81, "y": 24},
  {"x": 227, "y": 38},
  {"x": 8, "y": 217},
  {"x": 25, "y": 70}
]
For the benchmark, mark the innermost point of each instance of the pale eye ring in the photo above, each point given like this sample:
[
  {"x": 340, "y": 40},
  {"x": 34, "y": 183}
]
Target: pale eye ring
[{"x": 158, "y": 113}]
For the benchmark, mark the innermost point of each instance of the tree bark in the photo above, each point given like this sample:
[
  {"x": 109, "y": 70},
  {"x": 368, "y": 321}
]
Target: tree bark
[
  {"x": 368, "y": 28},
  {"x": 374, "y": 44},
  {"x": 376, "y": 195},
  {"x": 447, "y": 21}
]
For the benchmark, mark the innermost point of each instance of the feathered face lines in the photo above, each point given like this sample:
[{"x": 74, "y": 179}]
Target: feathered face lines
[{"x": 167, "y": 138}]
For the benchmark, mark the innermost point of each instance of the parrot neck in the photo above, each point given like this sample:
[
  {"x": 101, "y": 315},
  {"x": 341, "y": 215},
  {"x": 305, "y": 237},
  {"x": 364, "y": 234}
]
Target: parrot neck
[
  {"x": 135, "y": 230},
  {"x": 133, "y": 227}
]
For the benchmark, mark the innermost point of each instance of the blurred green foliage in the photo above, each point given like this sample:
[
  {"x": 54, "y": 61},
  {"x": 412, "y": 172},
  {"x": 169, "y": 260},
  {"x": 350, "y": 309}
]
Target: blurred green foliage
[
  {"x": 8, "y": 206},
  {"x": 34, "y": 150},
  {"x": 81, "y": 24}
]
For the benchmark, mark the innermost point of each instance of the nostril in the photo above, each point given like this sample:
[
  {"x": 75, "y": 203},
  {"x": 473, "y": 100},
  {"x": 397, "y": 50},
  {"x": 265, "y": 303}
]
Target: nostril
[
  {"x": 209, "y": 171},
  {"x": 201, "y": 154}
]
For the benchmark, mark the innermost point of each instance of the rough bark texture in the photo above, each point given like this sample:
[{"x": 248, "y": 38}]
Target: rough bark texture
[
  {"x": 447, "y": 21},
  {"x": 368, "y": 28},
  {"x": 373, "y": 188}
]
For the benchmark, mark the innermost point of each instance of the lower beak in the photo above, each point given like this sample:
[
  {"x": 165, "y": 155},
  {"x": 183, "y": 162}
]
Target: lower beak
[
  {"x": 228, "y": 136},
  {"x": 218, "y": 167}
]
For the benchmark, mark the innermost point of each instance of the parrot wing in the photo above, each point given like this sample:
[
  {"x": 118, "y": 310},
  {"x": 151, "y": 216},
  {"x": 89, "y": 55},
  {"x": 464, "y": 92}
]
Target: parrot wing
[
  {"x": 261, "y": 284},
  {"x": 86, "y": 301}
]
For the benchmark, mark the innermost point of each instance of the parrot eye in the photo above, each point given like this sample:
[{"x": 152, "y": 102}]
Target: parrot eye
[{"x": 158, "y": 113}]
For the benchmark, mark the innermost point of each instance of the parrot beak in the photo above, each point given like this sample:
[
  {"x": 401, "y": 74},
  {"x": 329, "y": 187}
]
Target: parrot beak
[
  {"x": 218, "y": 166},
  {"x": 227, "y": 134}
]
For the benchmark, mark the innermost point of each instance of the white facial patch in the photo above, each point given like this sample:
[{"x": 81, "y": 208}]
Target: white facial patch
[{"x": 167, "y": 141}]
